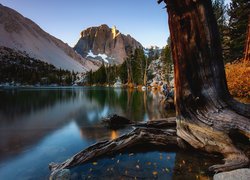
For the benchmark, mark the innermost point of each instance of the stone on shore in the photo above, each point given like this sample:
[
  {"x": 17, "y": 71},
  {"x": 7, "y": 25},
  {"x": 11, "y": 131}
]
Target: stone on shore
[{"x": 239, "y": 174}]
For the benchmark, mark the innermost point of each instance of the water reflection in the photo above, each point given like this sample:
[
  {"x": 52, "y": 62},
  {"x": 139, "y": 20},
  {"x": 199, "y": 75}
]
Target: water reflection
[
  {"x": 114, "y": 134},
  {"x": 27, "y": 116},
  {"x": 148, "y": 165},
  {"x": 43, "y": 126}
]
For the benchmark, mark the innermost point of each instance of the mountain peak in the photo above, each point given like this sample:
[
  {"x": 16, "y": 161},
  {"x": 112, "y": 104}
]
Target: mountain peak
[
  {"x": 106, "y": 42},
  {"x": 22, "y": 34},
  {"x": 105, "y": 26}
]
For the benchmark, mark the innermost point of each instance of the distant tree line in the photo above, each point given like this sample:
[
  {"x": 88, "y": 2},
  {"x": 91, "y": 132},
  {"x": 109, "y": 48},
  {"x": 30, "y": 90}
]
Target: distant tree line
[
  {"x": 167, "y": 61},
  {"x": 19, "y": 68},
  {"x": 232, "y": 22},
  {"x": 134, "y": 69}
]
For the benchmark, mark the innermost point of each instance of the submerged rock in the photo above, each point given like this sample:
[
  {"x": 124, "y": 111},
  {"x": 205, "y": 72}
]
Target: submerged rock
[
  {"x": 116, "y": 122},
  {"x": 239, "y": 174},
  {"x": 63, "y": 174}
]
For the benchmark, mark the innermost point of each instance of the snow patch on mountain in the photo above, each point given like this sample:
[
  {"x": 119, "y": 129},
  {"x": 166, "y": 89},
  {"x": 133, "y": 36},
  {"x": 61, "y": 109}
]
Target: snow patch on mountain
[
  {"x": 104, "y": 57},
  {"x": 22, "y": 34}
]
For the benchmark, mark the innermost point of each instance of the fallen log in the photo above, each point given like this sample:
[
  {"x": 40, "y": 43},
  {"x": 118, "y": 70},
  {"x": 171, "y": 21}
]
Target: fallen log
[{"x": 139, "y": 136}]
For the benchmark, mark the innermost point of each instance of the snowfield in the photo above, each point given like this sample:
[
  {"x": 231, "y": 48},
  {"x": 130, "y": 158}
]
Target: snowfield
[{"x": 103, "y": 56}]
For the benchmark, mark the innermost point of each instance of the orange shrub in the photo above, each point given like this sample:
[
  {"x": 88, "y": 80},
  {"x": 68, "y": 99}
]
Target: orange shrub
[{"x": 238, "y": 78}]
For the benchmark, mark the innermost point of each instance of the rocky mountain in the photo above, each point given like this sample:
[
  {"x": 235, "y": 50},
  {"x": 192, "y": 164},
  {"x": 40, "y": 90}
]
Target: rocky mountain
[
  {"x": 107, "y": 44},
  {"x": 22, "y": 34}
]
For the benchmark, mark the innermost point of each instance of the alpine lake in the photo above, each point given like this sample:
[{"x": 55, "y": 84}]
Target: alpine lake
[{"x": 43, "y": 125}]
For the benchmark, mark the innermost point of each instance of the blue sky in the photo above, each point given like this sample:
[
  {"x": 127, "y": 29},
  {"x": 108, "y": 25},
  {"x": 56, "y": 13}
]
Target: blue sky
[{"x": 145, "y": 20}]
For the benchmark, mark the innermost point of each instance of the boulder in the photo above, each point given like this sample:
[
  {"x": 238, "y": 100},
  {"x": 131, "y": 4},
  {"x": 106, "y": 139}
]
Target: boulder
[
  {"x": 239, "y": 174},
  {"x": 116, "y": 122}
]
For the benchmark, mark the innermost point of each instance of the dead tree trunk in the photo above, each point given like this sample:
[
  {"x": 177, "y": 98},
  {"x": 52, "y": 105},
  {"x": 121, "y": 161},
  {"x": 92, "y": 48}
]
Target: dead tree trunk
[
  {"x": 205, "y": 111},
  {"x": 247, "y": 46},
  {"x": 201, "y": 94}
]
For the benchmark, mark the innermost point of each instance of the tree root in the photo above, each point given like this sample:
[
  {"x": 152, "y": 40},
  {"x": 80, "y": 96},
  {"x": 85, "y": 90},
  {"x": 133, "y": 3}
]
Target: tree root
[
  {"x": 211, "y": 140},
  {"x": 139, "y": 136},
  {"x": 232, "y": 161},
  {"x": 154, "y": 133}
]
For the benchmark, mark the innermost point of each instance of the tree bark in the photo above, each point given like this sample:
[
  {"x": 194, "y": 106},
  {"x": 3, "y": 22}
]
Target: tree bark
[
  {"x": 247, "y": 46},
  {"x": 205, "y": 111},
  {"x": 204, "y": 107}
]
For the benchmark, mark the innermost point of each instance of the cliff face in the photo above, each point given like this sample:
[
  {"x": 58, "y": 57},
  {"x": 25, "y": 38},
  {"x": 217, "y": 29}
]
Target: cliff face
[
  {"x": 22, "y": 34},
  {"x": 105, "y": 43}
]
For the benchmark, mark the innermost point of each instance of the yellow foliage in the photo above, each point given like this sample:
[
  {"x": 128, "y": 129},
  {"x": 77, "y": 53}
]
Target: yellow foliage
[{"x": 238, "y": 78}]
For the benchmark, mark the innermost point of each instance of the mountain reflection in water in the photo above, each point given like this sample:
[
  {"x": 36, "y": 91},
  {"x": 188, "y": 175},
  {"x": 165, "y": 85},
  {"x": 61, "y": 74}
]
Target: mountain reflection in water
[{"x": 39, "y": 126}]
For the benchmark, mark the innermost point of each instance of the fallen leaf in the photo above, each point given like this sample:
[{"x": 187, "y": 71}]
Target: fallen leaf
[
  {"x": 155, "y": 173},
  {"x": 137, "y": 166},
  {"x": 94, "y": 163}
]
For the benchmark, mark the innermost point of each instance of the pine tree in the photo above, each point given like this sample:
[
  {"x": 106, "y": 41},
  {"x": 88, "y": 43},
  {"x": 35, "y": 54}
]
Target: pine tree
[
  {"x": 90, "y": 77},
  {"x": 151, "y": 54},
  {"x": 123, "y": 72},
  {"x": 238, "y": 12},
  {"x": 101, "y": 76},
  {"x": 138, "y": 65},
  {"x": 166, "y": 59},
  {"x": 220, "y": 12}
]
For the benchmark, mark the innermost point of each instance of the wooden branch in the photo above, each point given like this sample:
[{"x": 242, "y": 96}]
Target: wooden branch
[
  {"x": 139, "y": 136},
  {"x": 159, "y": 123},
  {"x": 159, "y": 1},
  {"x": 201, "y": 137}
]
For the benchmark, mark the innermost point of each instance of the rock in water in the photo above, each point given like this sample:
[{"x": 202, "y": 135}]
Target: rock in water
[
  {"x": 63, "y": 174},
  {"x": 239, "y": 174},
  {"x": 116, "y": 122}
]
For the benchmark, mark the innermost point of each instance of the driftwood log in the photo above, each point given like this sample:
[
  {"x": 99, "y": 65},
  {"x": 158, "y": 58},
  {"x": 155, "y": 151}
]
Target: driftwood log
[
  {"x": 148, "y": 134},
  {"x": 205, "y": 111}
]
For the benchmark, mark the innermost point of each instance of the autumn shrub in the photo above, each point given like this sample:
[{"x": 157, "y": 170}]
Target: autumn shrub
[{"x": 238, "y": 78}]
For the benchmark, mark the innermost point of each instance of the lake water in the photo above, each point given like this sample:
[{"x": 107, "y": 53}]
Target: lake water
[{"x": 40, "y": 126}]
